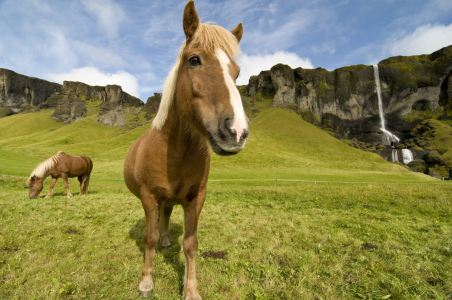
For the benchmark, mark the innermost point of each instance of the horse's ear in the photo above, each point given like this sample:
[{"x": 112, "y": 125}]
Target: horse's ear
[
  {"x": 238, "y": 31},
  {"x": 191, "y": 20}
]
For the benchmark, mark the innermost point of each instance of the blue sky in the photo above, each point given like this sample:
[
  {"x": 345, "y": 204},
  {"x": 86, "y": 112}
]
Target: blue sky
[{"x": 134, "y": 43}]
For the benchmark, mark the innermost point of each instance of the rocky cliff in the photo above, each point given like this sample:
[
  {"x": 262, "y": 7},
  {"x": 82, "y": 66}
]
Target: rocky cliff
[
  {"x": 20, "y": 93},
  {"x": 345, "y": 100}
]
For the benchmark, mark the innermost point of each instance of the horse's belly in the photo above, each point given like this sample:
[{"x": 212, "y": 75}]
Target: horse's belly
[{"x": 76, "y": 173}]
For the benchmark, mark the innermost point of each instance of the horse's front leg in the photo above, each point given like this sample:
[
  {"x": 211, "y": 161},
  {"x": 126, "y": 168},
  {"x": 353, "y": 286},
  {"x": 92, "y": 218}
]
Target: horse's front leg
[
  {"x": 52, "y": 185},
  {"x": 66, "y": 184},
  {"x": 191, "y": 216},
  {"x": 151, "y": 238},
  {"x": 165, "y": 213}
]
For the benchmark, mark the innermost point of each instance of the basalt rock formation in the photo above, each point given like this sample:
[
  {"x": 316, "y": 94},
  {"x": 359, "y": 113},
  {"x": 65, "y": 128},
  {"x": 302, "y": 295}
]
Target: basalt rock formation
[
  {"x": 68, "y": 107},
  {"x": 152, "y": 106},
  {"x": 345, "y": 99},
  {"x": 111, "y": 110},
  {"x": 19, "y": 93}
]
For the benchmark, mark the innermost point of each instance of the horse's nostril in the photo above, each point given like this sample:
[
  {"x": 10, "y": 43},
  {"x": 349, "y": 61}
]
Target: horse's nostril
[
  {"x": 245, "y": 134},
  {"x": 226, "y": 130}
]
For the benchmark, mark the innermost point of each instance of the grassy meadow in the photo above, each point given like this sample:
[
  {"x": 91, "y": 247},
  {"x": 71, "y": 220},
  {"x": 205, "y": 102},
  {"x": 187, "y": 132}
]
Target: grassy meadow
[{"x": 296, "y": 215}]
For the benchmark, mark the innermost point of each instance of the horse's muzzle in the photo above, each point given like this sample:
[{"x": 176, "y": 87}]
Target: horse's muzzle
[
  {"x": 227, "y": 139},
  {"x": 229, "y": 145}
]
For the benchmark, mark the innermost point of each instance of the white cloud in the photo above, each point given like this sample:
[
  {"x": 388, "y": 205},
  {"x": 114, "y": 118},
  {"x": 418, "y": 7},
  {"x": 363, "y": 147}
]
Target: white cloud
[
  {"x": 100, "y": 56},
  {"x": 60, "y": 49},
  {"x": 443, "y": 5},
  {"x": 109, "y": 14},
  {"x": 254, "y": 64},
  {"x": 322, "y": 49},
  {"x": 92, "y": 76},
  {"x": 276, "y": 38},
  {"x": 424, "y": 40}
]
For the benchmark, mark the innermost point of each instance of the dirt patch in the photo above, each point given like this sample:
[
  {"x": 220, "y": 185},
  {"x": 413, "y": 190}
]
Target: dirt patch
[
  {"x": 369, "y": 246},
  {"x": 72, "y": 231},
  {"x": 215, "y": 254}
]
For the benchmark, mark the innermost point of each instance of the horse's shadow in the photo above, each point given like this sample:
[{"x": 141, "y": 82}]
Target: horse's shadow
[
  {"x": 171, "y": 254},
  {"x": 57, "y": 194}
]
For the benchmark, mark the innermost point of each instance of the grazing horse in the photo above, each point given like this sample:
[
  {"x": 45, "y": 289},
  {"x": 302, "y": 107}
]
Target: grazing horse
[
  {"x": 169, "y": 164},
  {"x": 64, "y": 166}
]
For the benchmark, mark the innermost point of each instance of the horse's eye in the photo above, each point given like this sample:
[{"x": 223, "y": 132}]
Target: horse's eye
[{"x": 194, "y": 61}]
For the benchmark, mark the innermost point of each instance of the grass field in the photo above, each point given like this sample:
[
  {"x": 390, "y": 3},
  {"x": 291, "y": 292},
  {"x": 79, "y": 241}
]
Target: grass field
[{"x": 367, "y": 229}]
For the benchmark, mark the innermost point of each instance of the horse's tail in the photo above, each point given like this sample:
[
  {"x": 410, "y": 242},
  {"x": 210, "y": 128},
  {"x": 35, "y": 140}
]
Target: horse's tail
[{"x": 85, "y": 187}]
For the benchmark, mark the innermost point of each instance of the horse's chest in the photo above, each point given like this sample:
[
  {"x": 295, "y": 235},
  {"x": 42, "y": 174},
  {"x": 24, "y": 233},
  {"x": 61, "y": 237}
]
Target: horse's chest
[{"x": 175, "y": 194}]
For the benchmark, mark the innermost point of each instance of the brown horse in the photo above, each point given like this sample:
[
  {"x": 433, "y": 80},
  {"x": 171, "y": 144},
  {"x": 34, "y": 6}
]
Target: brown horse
[
  {"x": 64, "y": 166},
  {"x": 169, "y": 164}
]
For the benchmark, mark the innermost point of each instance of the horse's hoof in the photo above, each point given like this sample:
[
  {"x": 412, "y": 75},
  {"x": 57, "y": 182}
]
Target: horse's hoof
[
  {"x": 69, "y": 196},
  {"x": 143, "y": 294},
  {"x": 165, "y": 242},
  {"x": 146, "y": 286},
  {"x": 192, "y": 297}
]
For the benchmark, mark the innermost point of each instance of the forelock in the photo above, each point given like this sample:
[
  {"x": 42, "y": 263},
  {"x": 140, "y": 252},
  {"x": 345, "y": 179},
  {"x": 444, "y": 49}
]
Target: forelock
[{"x": 212, "y": 37}]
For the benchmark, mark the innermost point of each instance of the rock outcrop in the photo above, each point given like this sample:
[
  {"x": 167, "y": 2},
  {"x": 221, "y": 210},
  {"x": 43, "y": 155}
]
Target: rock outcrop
[
  {"x": 111, "y": 110},
  {"x": 346, "y": 101},
  {"x": 21, "y": 93},
  {"x": 152, "y": 106},
  {"x": 69, "y": 108}
]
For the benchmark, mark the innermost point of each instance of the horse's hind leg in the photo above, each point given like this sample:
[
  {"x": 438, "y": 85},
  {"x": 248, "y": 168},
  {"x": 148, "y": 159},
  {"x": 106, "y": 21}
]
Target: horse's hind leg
[
  {"x": 52, "y": 184},
  {"x": 165, "y": 213},
  {"x": 151, "y": 238},
  {"x": 84, "y": 180}
]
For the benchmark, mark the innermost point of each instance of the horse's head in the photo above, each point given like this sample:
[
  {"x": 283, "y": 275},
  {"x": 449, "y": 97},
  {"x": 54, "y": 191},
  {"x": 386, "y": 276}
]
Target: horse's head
[
  {"x": 206, "y": 93},
  {"x": 35, "y": 186}
]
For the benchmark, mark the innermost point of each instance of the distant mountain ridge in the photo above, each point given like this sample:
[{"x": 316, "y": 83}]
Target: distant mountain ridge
[{"x": 20, "y": 93}]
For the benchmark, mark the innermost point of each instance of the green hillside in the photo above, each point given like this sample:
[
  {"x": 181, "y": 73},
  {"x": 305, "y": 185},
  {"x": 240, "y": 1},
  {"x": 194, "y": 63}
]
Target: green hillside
[
  {"x": 282, "y": 239},
  {"x": 281, "y": 145},
  {"x": 14, "y": 164}
]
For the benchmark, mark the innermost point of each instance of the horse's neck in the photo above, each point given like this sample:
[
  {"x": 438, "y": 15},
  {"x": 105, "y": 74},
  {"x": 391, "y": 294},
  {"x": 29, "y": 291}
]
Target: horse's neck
[
  {"x": 182, "y": 142},
  {"x": 51, "y": 171},
  {"x": 43, "y": 177}
]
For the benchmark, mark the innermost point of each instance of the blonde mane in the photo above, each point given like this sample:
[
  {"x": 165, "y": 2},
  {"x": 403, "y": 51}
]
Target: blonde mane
[
  {"x": 44, "y": 167},
  {"x": 207, "y": 36}
]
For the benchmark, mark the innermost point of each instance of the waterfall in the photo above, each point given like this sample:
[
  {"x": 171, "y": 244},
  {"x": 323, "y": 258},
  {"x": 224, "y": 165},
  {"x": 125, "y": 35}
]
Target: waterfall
[
  {"x": 394, "y": 155},
  {"x": 388, "y": 137},
  {"x": 407, "y": 156}
]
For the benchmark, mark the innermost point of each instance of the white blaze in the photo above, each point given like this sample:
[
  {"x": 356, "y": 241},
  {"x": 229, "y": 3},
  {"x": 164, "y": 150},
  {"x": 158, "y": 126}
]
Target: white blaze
[{"x": 239, "y": 123}]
